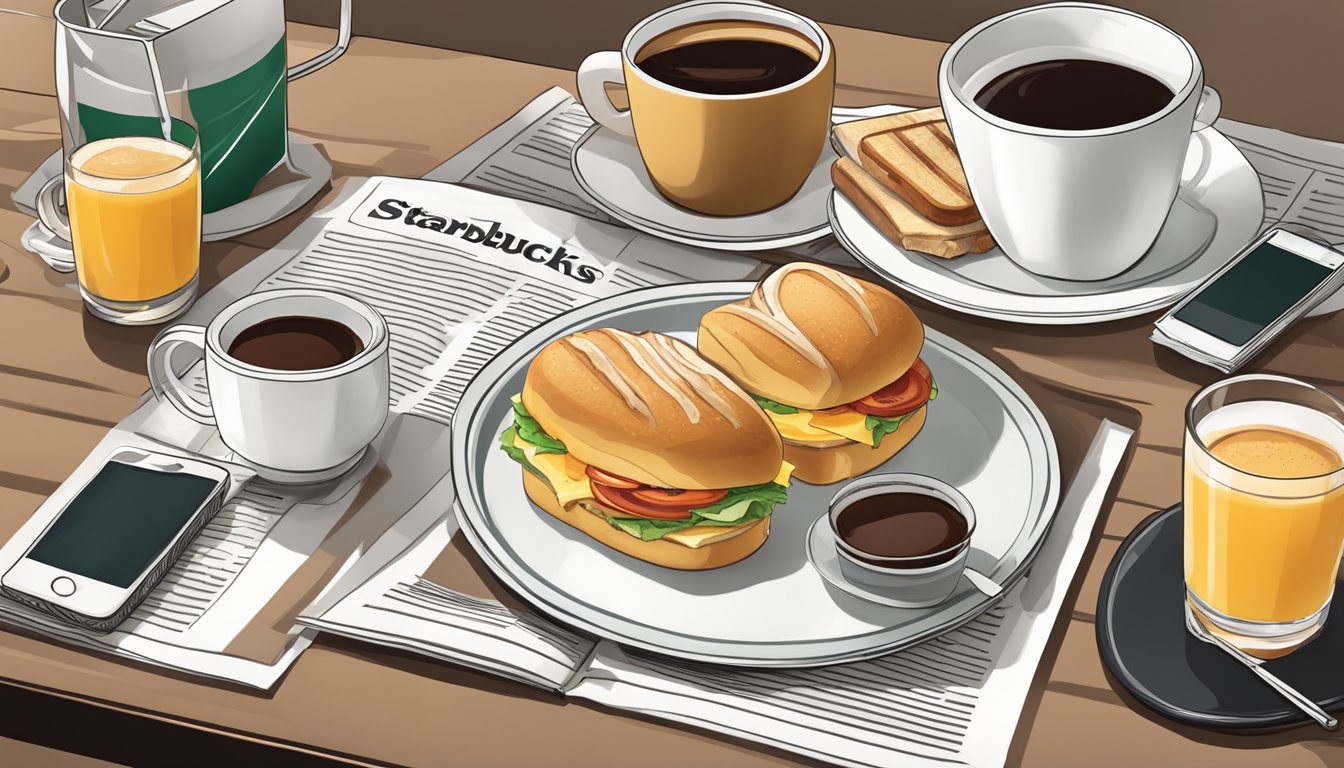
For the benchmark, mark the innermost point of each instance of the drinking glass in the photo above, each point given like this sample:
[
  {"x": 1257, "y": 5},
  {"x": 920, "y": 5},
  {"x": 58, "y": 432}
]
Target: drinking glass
[
  {"x": 133, "y": 214},
  {"x": 1264, "y": 509}
]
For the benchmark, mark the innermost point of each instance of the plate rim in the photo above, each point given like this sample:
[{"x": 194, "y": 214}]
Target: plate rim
[
  {"x": 1214, "y": 138},
  {"x": 464, "y": 443},
  {"x": 724, "y": 243}
]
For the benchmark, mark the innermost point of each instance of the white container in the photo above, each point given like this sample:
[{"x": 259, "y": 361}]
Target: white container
[{"x": 895, "y": 577}]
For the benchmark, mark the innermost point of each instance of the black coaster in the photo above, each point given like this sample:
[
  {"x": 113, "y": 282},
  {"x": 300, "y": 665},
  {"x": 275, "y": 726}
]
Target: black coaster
[{"x": 1143, "y": 641}]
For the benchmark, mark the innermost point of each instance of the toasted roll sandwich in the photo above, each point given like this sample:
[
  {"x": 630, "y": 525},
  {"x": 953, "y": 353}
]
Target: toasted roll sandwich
[
  {"x": 640, "y": 443},
  {"x": 833, "y": 360}
]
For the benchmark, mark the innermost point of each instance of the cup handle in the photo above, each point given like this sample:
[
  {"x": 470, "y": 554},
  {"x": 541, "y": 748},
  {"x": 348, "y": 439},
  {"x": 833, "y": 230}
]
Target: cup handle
[
  {"x": 50, "y": 200},
  {"x": 1210, "y": 105},
  {"x": 594, "y": 73},
  {"x": 166, "y": 383},
  {"x": 331, "y": 54}
]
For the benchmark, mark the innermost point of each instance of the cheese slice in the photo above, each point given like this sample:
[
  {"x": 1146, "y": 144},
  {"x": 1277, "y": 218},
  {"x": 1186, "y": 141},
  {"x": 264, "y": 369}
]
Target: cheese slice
[
  {"x": 846, "y": 424},
  {"x": 564, "y": 473},
  {"x": 798, "y": 428},
  {"x": 785, "y": 474},
  {"x": 699, "y": 535}
]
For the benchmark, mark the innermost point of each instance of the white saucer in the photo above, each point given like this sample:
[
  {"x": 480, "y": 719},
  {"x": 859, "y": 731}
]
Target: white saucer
[
  {"x": 608, "y": 167},
  {"x": 286, "y": 477},
  {"x": 1219, "y": 209},
  {"x": 822, "y": 555},
  {"x": 283, "y": 191}
]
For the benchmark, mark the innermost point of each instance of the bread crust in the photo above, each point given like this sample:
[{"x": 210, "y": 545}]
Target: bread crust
[
  {"x": 689, "y": 425},
  {"x": 823, "y": 466},
  {"x": 659, "y": 552},
  {"x": 848, "y": 360}
]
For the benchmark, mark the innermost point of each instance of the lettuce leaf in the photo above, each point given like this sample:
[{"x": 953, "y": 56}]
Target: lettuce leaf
[
  {"x": 531, "y": 432},
  {"x": 516, "y": 453},
  {"x": 881, "y": 427},
  {"x": 773, "y": 407}
]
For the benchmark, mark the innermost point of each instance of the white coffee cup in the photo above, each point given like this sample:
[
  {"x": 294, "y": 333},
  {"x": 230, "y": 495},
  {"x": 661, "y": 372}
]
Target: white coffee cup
[
  {"x": 1074, "y": 204},
  {"x": 292, "y": 426}
]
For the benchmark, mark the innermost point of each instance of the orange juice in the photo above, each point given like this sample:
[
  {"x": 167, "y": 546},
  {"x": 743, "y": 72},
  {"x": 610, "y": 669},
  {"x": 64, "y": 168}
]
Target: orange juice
[
  {"x": 1264, "y": 511},
  {"x": 135, "y": 217}
]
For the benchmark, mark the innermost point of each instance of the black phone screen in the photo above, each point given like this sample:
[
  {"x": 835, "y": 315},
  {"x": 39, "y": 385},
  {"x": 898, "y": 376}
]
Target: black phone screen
[
  {"x": 120, "y": 522},
  {"x": 1251, "y": 295}
]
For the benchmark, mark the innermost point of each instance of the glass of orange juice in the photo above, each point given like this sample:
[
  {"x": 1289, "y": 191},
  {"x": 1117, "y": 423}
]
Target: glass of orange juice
[
  {"x": 1264, "y": 510},
  {"x": 133, "y": 215}
]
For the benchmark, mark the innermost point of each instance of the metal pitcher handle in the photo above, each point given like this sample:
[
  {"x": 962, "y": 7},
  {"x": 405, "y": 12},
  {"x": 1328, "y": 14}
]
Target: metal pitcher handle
[{"x": 331, "y": 54}]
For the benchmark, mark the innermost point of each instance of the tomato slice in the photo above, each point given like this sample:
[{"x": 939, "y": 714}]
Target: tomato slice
[
  {"x": 610, "y": 480},
  {"x": 625, "y": 501},
  {"x": 901, "y": 396},
  {"x": 666, "y": 497}
]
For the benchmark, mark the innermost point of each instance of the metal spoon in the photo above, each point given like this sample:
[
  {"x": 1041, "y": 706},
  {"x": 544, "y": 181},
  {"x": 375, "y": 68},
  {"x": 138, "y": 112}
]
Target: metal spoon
[{"x": 1285, "y": 690}]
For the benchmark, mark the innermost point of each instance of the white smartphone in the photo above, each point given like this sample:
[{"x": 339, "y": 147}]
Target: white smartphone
[
  {"x": 107, "y": 548},
  {"x": 1271, "y": 283}
]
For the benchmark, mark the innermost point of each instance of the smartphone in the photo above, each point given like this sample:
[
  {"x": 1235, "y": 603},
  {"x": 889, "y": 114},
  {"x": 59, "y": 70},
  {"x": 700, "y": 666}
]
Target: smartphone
[
  {"x": 1271, "y": 283},
  {"x": 107, "y": 548}
]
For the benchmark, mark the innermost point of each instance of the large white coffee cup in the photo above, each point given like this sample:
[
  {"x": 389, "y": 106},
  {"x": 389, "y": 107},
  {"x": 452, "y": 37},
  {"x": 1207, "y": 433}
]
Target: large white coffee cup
[
  {"x": 1074, "y": 204},
  {"x": 292, "y": 426}
]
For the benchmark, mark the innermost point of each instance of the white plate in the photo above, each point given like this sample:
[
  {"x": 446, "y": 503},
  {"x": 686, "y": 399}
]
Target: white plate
[
  {"x": 983, "y": 435},
  {"x": 1217, "y": 212},
  {"x": 283, "y": 191},
  {"x": 608, "y": 167}
]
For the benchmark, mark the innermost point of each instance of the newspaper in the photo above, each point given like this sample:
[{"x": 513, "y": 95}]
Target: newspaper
[
  {"x": 458, "y": 274},
  {"x": 944, "y": 701}
]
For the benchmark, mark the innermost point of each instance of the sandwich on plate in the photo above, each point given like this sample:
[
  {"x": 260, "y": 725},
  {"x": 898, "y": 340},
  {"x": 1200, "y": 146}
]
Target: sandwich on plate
[
  {"x": 833, "y": 360},
  {"x": 640, "y": 443}
]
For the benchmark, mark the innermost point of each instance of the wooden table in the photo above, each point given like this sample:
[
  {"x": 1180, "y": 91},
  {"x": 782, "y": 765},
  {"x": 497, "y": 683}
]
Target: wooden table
[{"x": 65, "y": 378}]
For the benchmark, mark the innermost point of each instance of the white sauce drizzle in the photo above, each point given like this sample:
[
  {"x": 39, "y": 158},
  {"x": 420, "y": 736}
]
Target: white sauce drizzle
[
  {"x": 651, "y": 362},
  {"x": 764, "y": 308},
  {"x": 608, "y": 370},
  {"x": 696, "y": 372},
  {"x": 671, "y": 365}
]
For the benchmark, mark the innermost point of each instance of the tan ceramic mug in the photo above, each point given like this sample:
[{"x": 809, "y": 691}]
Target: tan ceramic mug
[{"x": 722, "y": 148}]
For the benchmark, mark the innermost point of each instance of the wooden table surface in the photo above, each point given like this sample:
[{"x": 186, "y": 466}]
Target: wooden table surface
[{"x": 65, "y": 378}]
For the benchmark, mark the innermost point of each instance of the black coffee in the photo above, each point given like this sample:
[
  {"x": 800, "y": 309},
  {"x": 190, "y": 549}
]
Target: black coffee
[
  {"x": 903, "y": 525},
  {"x": 296, "y": 344},
  {"x": 729, "y": 67},
  {"x": 1073, "y": 95}
]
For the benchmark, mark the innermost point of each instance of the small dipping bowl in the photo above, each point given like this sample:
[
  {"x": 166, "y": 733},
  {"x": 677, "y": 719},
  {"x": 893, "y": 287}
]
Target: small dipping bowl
[{"x": 918, "y": 581}]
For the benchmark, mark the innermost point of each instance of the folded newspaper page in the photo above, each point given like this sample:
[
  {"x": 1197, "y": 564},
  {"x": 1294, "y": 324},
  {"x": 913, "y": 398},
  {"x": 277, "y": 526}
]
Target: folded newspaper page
[{"x": 953, "y": 699}]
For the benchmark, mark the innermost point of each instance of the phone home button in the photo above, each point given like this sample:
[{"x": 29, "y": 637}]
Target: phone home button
[{"x": 63, "y": 586}]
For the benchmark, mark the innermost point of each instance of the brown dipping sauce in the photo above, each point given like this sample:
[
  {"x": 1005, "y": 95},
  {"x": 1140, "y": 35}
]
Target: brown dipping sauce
[{"x": 905, "y": 525}]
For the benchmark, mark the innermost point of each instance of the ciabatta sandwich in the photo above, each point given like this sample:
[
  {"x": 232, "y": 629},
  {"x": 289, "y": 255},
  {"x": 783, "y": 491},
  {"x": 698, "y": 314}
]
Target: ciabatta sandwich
[
  {"x": 640, "y": 443},
  {"x": 835, "y": 362}
]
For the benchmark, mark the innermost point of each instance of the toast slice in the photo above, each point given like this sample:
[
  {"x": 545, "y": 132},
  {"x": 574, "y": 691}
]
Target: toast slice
[
  {"x": 912, "y": 155},
  {"x": 901, "y": 222}
]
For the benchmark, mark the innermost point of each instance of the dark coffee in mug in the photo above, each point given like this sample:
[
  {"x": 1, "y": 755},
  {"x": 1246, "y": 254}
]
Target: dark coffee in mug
[
  {"x": 762, "y": 58},
  {"x": 1073, "y": 95},
  {"x": 296, "y": 343}
]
